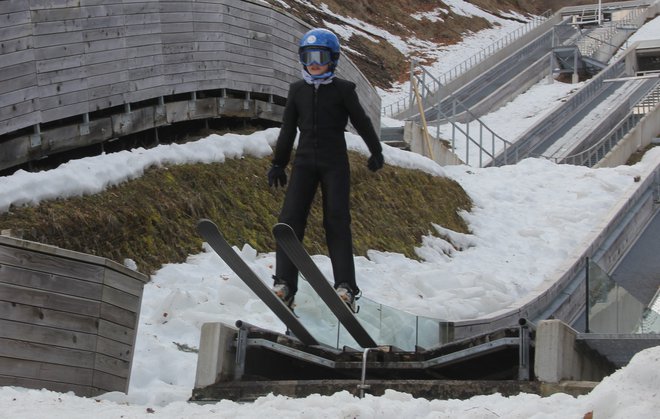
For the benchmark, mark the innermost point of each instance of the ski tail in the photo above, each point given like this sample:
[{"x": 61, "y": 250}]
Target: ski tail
[
  {"x": 209, "y": 231},
  {"x": 294, "y": 249}
]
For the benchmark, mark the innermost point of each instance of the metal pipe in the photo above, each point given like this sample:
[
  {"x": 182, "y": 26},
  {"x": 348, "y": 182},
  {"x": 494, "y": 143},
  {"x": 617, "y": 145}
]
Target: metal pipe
[
  {"x": 362, "y": 386},
  {"x": 523, "y": 349}
]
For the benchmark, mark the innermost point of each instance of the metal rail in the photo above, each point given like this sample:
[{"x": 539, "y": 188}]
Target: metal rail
[
  {"x": 405, "y": 103},
  {"x": 486, "y": 140},
  {"x": 595, "y": 153}
]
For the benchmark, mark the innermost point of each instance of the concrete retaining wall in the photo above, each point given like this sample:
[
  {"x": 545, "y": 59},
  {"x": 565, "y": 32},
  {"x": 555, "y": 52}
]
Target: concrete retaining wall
[
  {"x": 639, "y": 137},
  {"x": 217, "y": 354},
  {"x": 413, "y": 135},
  {"x": 558, "y": 359}
]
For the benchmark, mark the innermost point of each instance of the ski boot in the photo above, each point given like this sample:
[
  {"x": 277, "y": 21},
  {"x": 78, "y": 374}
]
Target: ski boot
[
  {"x": 345, "y": 292},
  {"x": 283, "y": 292}
]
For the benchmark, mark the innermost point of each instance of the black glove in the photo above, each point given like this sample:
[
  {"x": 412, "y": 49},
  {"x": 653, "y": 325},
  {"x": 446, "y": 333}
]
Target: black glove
[
  {"x": 375, "y": 162},
  {"x": 276, "y": 176}
]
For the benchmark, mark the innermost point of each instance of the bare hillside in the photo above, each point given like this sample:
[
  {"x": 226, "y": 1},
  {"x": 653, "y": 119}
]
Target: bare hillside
[{"x": 377, "y": 58}]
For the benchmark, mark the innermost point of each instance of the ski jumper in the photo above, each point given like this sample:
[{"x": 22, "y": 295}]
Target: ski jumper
[{"x": 321, "y": 113}]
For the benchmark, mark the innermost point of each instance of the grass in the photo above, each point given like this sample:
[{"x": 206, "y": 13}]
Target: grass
[{"x": 152, "y": 219}]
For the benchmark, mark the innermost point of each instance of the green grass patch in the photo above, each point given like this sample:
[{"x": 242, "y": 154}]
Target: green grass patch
[{"x": 152, "y": 219}]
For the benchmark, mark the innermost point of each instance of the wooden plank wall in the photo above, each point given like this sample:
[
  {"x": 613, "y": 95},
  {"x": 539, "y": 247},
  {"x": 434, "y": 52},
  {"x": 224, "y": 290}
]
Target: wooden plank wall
[
  {"x": 68, "y": 321},
  {"x": 66, "y": 59},
  {"x": 19, "y": 103}
]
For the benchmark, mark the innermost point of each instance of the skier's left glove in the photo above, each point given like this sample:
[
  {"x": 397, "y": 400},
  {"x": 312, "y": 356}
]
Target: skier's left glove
[
  {"x": 375, "y": 162},
  {"x": 276, "y": 176}
]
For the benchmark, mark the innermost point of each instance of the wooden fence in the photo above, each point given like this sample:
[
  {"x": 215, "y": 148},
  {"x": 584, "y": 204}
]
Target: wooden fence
[
  {"x": 80, "y": 72},
  {"x": 68, "y": 320}
]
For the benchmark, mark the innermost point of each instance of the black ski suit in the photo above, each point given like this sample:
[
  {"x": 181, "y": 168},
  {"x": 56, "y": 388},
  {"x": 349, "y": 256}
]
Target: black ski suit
[{"x": 321, "y": 114}]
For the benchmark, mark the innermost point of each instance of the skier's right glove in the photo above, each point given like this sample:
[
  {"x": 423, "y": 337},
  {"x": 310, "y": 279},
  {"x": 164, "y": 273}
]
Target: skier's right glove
[
  {"x": 276, "y": 176},
  {"x": 375, "y": 162}
]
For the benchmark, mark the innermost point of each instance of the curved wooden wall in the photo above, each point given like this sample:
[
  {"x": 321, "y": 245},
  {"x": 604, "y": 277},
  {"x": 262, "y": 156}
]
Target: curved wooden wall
[{"x": 79, "y": 72}]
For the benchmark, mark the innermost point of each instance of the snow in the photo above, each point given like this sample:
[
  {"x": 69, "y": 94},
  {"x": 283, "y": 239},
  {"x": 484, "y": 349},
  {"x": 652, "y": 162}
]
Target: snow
[
  {"x": 444, "y": 58},
  {"x": 565, "y": 145},
  {"x": 648, "y": 32},
  {"x": 629, "y": 392},
  {"x": 521, "y": 113},
  {"x": 528, "y": 220}
]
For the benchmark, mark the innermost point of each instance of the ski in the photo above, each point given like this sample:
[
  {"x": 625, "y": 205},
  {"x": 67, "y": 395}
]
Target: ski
[
  {"x": 209, "y": 231},
  {"x": 287, "y": 239}
]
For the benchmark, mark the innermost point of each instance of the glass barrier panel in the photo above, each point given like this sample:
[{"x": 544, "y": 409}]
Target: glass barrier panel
[
  {"x": 651, "y": 318},
  {"x": 316, "y": 316},
  {"x": 398, "y": 328},
  {"x": 431, "y": 332},
  {"x": 386, "y": 325},
  {"x": 612, "y": 309}
]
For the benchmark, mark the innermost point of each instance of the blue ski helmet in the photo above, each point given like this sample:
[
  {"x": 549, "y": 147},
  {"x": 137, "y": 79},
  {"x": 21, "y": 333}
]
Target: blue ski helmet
[{"x": 319, "y": 46}]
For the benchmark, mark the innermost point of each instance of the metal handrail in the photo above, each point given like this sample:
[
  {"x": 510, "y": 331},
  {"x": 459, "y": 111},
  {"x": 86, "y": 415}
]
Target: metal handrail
[
  {"x": 471, "y": 117},
  {"x": 505, "y": 41},
  {"x": 461, "y": 68},
  {"x": 589, "y": 44},
  {"x": 591, "y": 156}
]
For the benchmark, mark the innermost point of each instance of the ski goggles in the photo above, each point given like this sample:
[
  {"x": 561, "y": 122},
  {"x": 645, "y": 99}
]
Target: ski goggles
[{"x": 315, "y": 56}]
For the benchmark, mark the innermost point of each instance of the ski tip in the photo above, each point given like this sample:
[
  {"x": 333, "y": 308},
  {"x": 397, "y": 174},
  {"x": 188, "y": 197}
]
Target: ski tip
[
  {"x": 204, "y": 222},
  {"x": 281, "y": 227}
]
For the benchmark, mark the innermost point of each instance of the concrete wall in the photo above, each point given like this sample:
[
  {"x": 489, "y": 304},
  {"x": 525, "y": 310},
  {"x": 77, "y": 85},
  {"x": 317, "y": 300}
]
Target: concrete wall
[
  {"x": 557, "y": 358},
  {"x": 639, "y": 137},
  {"x": 440, "y": 152},
  {"x": 216, "y": 357}
]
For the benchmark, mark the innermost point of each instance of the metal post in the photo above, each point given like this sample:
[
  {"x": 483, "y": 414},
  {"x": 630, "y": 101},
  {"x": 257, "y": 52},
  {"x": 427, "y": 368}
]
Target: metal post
[
  {"x": 523, "y": 350},
  {"x": 576, "y": 77},
  {"x": 241, "y": 350},
  {"x": 35, "y": 138},
  {"x": 84, "y": 127},
  {"x": 552, "y": 38},
  {"x": 413, "y": 63},
  {"x": 467, "y": 141},
  {"x": 481, "y": 145},
  {"x": 362, "y": 386},
  {"x": 586, "y": 297},
  {"x": 452, "y": 121}
]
